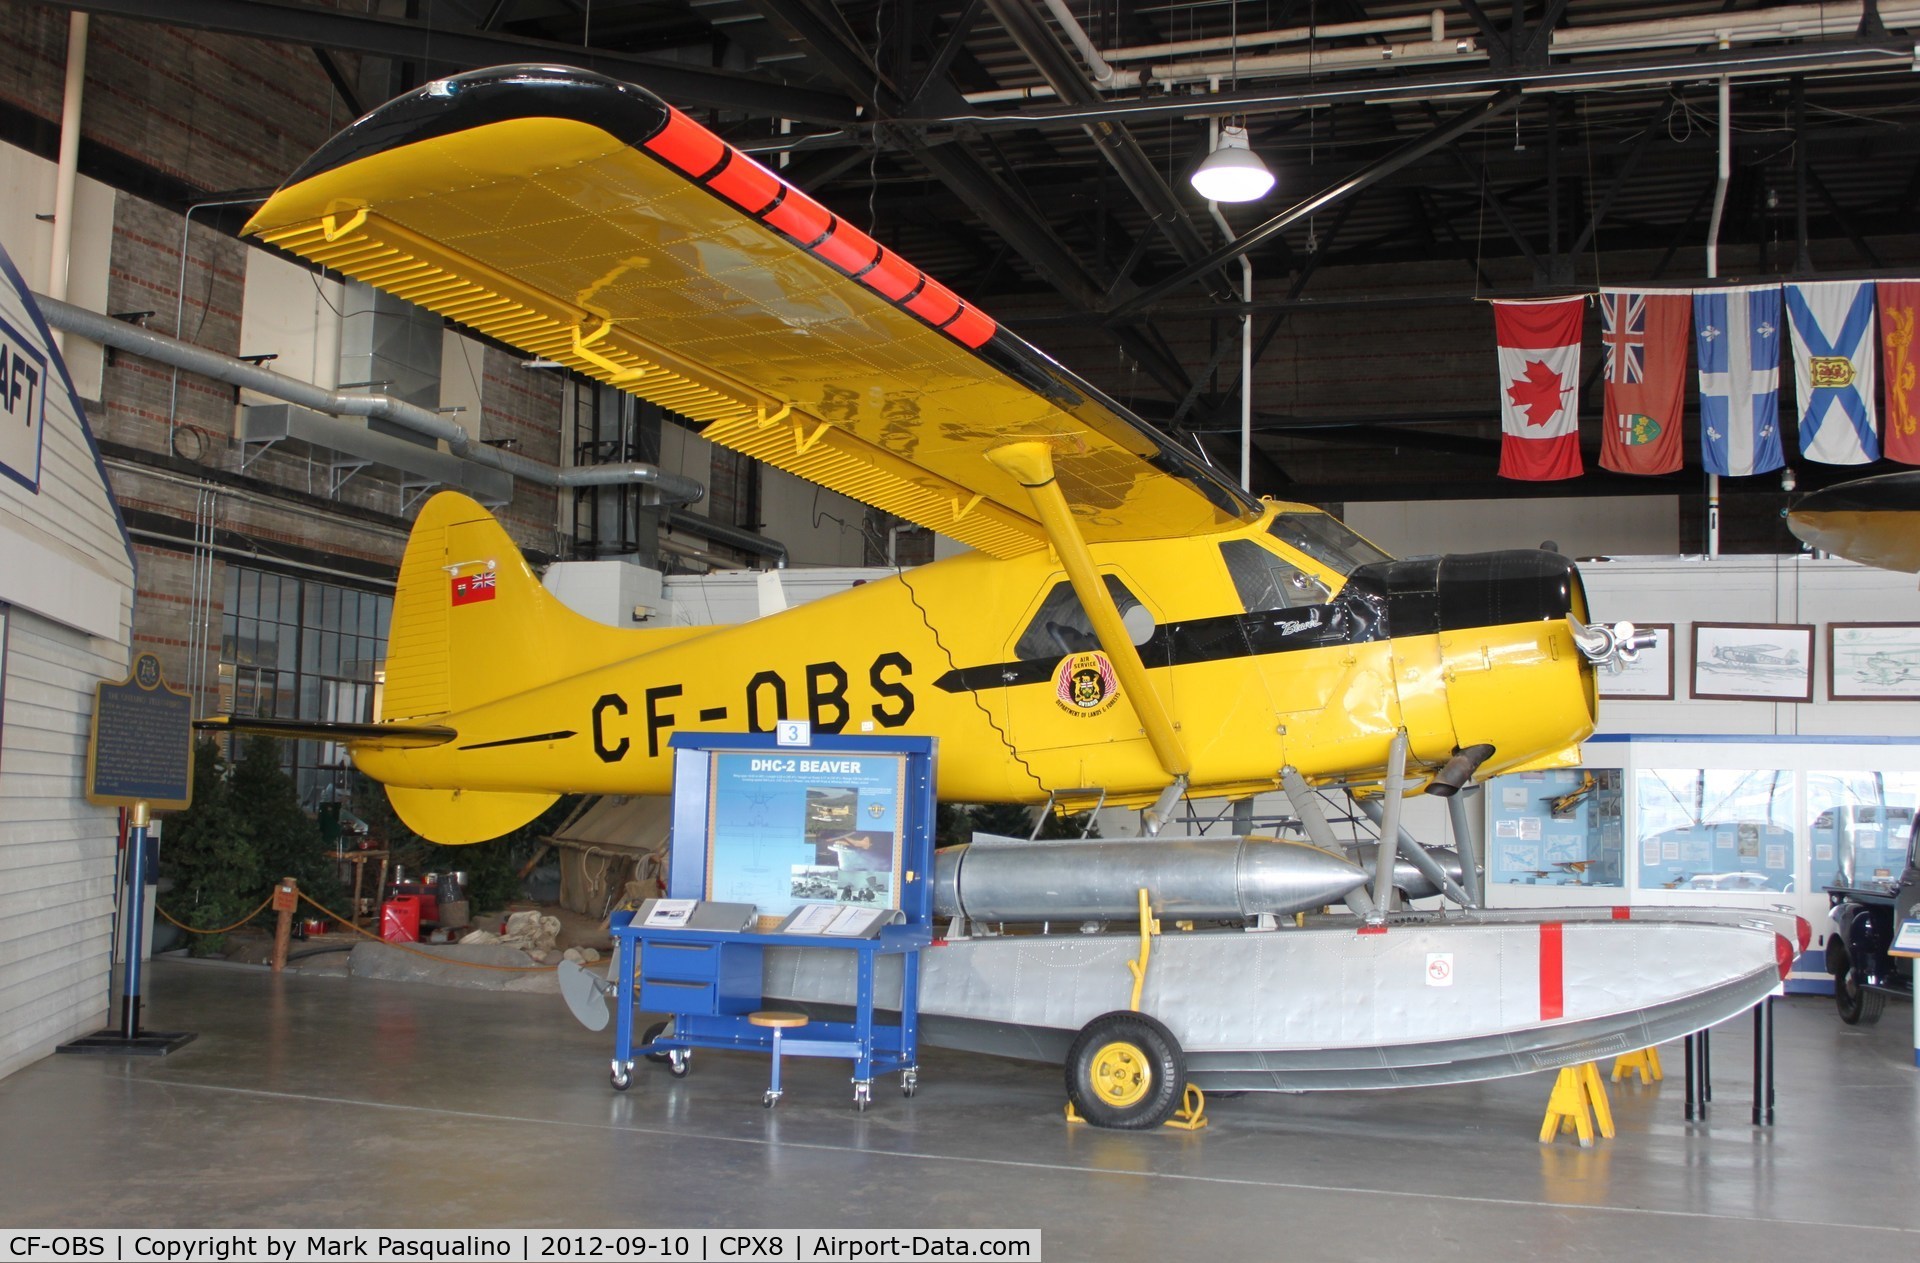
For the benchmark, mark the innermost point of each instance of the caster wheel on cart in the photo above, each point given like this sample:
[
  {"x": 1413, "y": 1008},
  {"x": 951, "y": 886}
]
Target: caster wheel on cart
[
  {"x": 679, "y": 1061},
  {"x": 910, "y": 1082},
  {"x": 619, "y": 1077},
  {"x": 862, "y": 1095},
  {"x": 652, "y": 1033},
  {"x": 769, "y": 1099}
]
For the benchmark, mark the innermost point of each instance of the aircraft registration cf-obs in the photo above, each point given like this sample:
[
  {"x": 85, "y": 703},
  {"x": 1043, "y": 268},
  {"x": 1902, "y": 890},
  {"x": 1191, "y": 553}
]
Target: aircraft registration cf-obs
[{"x": 1129, "y": 621}]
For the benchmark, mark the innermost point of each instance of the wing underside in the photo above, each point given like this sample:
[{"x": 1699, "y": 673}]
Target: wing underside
[{"x": 583, "y": 220}]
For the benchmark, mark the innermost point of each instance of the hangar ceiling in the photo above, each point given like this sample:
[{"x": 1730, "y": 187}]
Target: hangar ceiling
[{"x": 1429, "y": 156}]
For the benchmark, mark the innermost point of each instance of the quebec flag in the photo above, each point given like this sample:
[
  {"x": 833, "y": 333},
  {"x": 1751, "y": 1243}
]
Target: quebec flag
[
  {"x": 1736, "y": 335},
  {"x": 1833, "y": 347}
]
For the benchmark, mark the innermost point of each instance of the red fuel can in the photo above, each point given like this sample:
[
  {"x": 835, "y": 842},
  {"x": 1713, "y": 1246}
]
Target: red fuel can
[{"x": 400, "y": 919}]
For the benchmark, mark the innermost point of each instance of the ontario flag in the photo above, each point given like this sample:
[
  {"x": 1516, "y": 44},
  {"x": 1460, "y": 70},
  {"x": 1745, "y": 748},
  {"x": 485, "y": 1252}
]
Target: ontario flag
[
  {"x": 1643, "y": 336},
  {"x": 469, "y": 588},
  {"x": 1539, "y": 388},
  {"x": 1900, "y": 361}
]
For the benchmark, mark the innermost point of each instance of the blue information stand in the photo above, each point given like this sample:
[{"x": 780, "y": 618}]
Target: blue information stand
[{"x": 755, "y": 823}]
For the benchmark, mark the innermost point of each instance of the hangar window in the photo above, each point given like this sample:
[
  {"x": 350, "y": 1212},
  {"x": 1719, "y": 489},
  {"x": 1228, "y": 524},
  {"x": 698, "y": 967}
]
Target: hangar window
[
  {"x": 1062, "y": 627},
  {"x": 1268, "y": 582},
  {"x": 1327, "y": 540},
  {"x": 296, "y": 649}
]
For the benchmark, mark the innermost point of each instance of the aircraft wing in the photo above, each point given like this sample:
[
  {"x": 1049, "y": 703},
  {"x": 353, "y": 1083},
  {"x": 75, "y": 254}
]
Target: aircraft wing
[
  {"x": 1874, "y": 521},
  {"x": 586, "y": 221}
]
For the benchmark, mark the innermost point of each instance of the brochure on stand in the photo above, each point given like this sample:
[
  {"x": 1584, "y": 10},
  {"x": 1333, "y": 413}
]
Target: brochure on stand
[
  {"x": 694, "y": 914},
  {"x": 836, "y": 920}
]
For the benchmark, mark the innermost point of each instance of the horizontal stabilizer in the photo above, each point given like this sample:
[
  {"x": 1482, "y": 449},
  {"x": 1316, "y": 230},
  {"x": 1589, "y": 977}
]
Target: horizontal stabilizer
[{"x": 359, "y": 736}]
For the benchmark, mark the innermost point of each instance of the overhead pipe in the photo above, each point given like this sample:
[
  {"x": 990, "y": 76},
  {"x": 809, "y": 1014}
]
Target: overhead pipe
[
  {"x": 732, "y": 536},
  {"x": 1246, "y": 327},
  {"x": 1386, "y": 55},
  {"x": 1435, "y": 22},
  {"x": 59, "y": 269},
  {"x": 1725, "y": 174},
  {"x": 1096, "y": 64},
  {"x": 673, "y": 488}
]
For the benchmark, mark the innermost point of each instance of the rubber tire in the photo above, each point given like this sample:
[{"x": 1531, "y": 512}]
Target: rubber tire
[
  {"x": 648, "y": 1036},
  {"x": 678, "y": 1069},
  {"x": 620, "y": 1079},
  {"x": 1858, "y": 1005},
  {"x": 1159, "y": 1051}
]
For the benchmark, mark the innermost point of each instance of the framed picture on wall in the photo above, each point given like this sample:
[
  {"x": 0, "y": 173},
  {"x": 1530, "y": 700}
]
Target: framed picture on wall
[
  {"x": 1753, "y": 662},
  {"x": 1873, "y": 662},
  {"x": 1649, "y": 677}
]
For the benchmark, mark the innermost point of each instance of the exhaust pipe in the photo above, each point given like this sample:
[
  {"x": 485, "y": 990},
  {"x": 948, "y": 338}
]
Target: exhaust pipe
[{"x": 1458, "y": 770}]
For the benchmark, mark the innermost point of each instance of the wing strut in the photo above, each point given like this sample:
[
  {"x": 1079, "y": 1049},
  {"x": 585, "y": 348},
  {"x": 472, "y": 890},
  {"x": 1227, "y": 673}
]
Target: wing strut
[{"x": 1031, "y": 464}]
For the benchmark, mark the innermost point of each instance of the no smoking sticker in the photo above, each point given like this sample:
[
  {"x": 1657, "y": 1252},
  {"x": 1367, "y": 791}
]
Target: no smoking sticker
[{"x": 1439, "y": 969}]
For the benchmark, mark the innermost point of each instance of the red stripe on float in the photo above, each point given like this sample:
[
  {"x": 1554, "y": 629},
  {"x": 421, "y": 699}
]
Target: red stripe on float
[
  {"x": 848, "y": 248},
  {"x": 746, "y": 184},
  {"x": 1371, "y": 929},
  {"x": 1553, "y": 1000},
  {"x": 893, "y": 277},
  {"x": 800, "y": 217},
  {"x": 1622, "y": 914},
  {"x": 970, "y": 328},
  {"x": 685, "y": 144}
]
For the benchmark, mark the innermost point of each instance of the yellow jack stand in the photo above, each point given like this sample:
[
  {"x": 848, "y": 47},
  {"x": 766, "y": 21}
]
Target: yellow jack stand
[
  {"x": 1579, "y": 1100},
  {"x": 1646, "y": 1062},
  {"x": 1192, "y": 1114}
]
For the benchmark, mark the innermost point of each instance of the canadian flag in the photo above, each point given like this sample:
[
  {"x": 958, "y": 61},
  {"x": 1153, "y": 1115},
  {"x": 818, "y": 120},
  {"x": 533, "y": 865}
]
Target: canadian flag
[{"x": 1539, "y": 388}]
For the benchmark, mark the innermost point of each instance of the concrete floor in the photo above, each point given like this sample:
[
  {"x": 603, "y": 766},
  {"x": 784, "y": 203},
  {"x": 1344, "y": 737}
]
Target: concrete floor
[{"x": 336, "y": 1102}]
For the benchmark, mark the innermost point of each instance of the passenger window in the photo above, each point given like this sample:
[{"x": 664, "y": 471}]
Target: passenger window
[
  {"x": 1062, "y": 626},
  {"x": 1267, "y": 582}
]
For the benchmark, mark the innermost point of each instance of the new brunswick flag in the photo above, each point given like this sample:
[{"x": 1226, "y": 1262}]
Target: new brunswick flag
[
  {"x": 1900, "y": 361},
  {"x": 1643, "y": 335}
]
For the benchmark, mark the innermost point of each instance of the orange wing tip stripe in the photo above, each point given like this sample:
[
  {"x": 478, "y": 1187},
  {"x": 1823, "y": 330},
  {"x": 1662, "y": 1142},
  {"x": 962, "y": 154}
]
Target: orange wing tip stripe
[
  {"x": 687, "y": 146},
  {"x": 746, "y": 184},
  {"x": 717, "y": 166},
  {"x": 970, "y": 327}
]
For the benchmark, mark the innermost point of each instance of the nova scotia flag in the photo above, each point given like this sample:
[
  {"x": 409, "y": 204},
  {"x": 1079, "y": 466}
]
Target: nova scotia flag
[
  {"x": 1833, "y": 347},
  {"x": 1737, "y": 336}
]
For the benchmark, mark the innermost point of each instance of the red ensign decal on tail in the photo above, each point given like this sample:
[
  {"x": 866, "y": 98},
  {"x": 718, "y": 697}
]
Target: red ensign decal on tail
[
  {"x": 1553, "y": 1002},
  {"x": 473, "y": 587}
]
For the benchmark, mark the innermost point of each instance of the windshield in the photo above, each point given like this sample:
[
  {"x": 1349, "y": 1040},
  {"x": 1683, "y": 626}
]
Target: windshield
[{"x": 1327, "y": 540}]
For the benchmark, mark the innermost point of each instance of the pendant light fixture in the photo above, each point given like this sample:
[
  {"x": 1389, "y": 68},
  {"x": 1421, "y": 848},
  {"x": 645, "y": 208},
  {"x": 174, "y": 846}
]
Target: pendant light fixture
[{"x": 1232, "y": 172}]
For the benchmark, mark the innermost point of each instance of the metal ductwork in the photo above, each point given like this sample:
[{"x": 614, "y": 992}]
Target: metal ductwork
[{"x": 672, "y": 488}]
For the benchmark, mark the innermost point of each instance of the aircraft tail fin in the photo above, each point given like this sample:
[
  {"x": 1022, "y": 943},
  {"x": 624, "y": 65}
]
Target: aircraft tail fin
[{"x": 472, "y": 623}]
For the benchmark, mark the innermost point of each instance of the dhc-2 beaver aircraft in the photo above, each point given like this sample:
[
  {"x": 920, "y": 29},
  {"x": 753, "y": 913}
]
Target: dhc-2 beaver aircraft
[{"x": 1129, "y": 622}]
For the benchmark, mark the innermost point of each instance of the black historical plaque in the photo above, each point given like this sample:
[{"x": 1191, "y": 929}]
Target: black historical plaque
[{"x": 141, "y": 746}]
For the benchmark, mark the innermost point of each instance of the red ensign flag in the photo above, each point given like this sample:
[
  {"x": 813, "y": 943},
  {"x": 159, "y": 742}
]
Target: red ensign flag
[
  {"x": 1900, "y": 369},
  {"x": 1643, "y": 340},
  {"x": 1539, "y": 388}
]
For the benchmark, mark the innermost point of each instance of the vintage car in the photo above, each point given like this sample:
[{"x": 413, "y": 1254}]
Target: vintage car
[{"x": 1866, "y": 914}]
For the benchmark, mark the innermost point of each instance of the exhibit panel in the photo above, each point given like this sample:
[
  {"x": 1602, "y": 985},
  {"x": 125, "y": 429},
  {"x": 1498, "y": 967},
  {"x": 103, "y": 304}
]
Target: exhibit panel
[{"x": 1734, "y": 821}]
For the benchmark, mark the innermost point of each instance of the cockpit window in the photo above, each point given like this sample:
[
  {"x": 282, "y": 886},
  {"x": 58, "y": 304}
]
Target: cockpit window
[
  {"x": 1327, "y": 540},
  {"x": 1062, "y": 627},
  {"x": 1266, "y": 581}
]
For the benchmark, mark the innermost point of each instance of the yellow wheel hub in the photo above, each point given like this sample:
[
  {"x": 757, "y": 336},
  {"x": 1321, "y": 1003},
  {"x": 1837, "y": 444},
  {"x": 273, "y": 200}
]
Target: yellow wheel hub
[{"x": 1120, "y": 1075}]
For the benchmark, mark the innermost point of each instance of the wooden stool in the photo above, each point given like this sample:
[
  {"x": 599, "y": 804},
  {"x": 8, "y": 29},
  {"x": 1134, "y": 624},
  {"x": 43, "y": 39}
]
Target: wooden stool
[{"x": 778, "y": 1021}]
